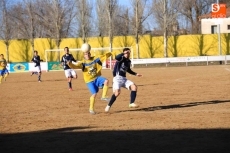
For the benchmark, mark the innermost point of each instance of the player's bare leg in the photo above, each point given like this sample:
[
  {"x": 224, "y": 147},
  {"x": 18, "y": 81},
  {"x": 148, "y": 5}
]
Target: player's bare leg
[
  {"x": 74, "y": 76},
  {"x": 113, "y": 99},
  {"x": 6, "y": 76}
]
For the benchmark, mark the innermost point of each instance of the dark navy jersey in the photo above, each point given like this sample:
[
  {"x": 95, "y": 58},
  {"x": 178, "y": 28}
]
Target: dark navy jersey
[
  {"x": 36, "y": 60},
  {"x": 65, "y": 58},
  {"x": 122, "y": 66}
]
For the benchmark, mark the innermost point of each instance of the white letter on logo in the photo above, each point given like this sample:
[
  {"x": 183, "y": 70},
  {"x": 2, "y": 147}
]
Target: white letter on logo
[{"x": 215, "y": 8}]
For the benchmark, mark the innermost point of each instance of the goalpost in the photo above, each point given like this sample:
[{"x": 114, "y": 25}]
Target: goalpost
[{"x": 51, "y": 55}]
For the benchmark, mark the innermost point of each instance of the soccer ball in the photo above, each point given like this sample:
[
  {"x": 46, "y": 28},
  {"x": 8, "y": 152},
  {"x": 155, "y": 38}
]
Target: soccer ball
[{"x": 85, "y": 47}]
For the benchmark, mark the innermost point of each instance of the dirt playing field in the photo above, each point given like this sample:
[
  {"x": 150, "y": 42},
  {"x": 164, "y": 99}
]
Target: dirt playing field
[{"x": 182, "y": 109}]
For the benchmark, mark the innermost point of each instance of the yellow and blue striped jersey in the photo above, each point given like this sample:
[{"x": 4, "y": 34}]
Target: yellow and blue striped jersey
[{"x": 91, "y": 68}]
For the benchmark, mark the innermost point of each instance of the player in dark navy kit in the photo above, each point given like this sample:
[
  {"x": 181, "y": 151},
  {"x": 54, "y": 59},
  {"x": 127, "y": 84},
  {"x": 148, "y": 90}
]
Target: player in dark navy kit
[
  {"x": 69, "y": 73},
  {"x": 37, "y": 66},
  {"x": 122, "y": 66}
]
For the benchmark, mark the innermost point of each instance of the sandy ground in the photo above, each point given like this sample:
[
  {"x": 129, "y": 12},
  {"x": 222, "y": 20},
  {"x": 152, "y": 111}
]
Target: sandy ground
[{"x": 182, "y": 109}]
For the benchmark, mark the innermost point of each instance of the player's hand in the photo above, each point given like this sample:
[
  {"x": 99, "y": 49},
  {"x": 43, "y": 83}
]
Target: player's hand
[
  {"x": 139, "y": 75},
  {"x": 126, "y": 52}
]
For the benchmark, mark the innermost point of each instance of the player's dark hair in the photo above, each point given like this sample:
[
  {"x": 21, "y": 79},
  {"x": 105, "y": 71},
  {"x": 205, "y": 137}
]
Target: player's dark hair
[
  {"x": 125, "y": 49},
  {"x": 35, "y": 51},
  {"x": 66, "y": 48}
]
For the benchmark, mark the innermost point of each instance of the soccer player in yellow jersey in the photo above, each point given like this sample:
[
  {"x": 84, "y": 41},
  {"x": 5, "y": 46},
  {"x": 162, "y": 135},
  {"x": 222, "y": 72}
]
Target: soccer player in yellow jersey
[
  {"x": 91, "y": 67},
  {"x": 3, "y": 70}
]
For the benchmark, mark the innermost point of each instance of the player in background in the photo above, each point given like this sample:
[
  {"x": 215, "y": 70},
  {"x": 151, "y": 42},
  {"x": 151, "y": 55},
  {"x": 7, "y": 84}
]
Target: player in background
[
  {"x": 122, "y": 66},
  {"x": 69, "y": 73},
  {"x": 37, "y": 66},
  {"x": 3, "y": 70},
  {"x": 91, "y": 67}
]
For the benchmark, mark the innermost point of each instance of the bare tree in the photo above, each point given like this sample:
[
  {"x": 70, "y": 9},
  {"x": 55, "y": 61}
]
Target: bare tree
[
  {"x": 84, "y": 18},
  {"x": 101, "y": 22},
  {"x": 6, "y": 30},
  {"x": 26, "y": 19},
  {"x": 120, "y": 22},
  {"x": 110, "y": 7},
  {"x": 30, "y": 8},
  {"x": 141, "y": 12},
  {"x": 57, "y": 16},
  {"x": 166, "y": 13},
  {"x": 192, "y": 9},
  {"x": 123, "y": 26}
]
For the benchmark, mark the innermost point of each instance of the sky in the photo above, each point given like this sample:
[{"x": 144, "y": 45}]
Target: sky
[{"x": 123, "y": 2}]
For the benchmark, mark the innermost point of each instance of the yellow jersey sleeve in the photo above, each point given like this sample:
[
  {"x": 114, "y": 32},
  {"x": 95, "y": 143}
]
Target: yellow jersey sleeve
[
  {"x": 77, "y": 65},
  {"x": 105, "y": 56}
]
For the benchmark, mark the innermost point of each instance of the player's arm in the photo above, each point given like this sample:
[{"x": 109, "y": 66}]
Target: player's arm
[
  {"x": 62, "y": 61},
  {"x": 74, "y": 65},
  {"x": 32, "y": 60},
  {"x": 41, "y": 60},
  {"x": 5, "y": 63},
  {"x": 72, "y": 58},
  {"x": 133, "y": 73},
  {"x": 105, "y": 56},
  {"x": 2, "y": 64},
  {"x": 119, "y": 57},
  {"x": 108, "y": 54}
]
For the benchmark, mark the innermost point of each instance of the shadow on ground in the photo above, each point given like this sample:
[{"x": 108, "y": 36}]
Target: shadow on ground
[
  {"x": 192, "y": 104},
  {"x": 71, "y": 140}
]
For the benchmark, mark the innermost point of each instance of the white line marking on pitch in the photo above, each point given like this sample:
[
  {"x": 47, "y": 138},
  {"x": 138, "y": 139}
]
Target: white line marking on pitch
[
  {"x": 227, "y": 69},
  {"x": 182, "y": 79}
]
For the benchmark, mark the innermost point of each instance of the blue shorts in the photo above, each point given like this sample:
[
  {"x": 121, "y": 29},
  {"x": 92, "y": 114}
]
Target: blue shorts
[
  {"x": 4, "y": 71},
  {"x": 96, "y": 84}
]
